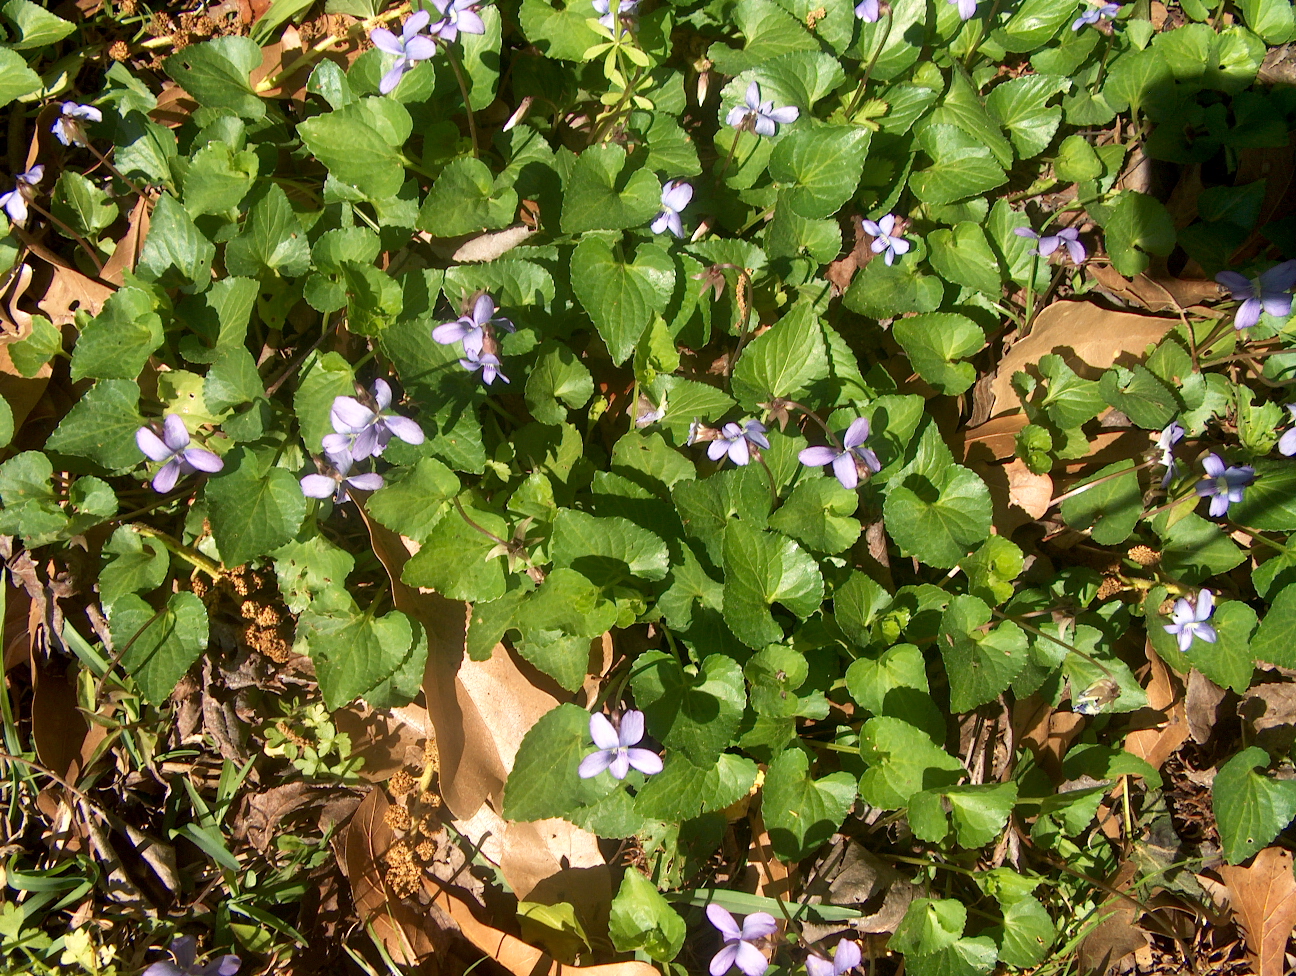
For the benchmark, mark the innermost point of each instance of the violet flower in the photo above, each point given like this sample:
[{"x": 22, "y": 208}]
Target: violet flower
[
  {"x": 362, "y": 432},
  {"x": 411, "y": 47},
  {"x": 846, "y": 958},
  {"x": 173, "y": 451},
  {"x": 1107, "y": 11},
  {"x": 739, "y": 943},
  {"x": 456, "y": 16},
  {"x": 1223, "y": 486},
  {"x": 14, "y": 203},
  {"x": 615, "y": 752},
  {"x": 966, "y": 8},
  {"x": 675, "y": 196},
  {"x": 737, "y": 442},
  {"x": 1271, "y": 292},
  {"x": 68, "y": 128},
  {"x": 1169, "y": 437},
  {"x": 1049, "y": 243},
  {"x": 1287, "y": 443},
  {"x": 335, "y": 485},
  {"x": 487, "y": 362},
  {"x": 763, "y": 117},
  {"x": 626, "y": 10},
  {"x": 853, "y": 460},
  {"x": 868, "y": 11},
  {"x": 1190, "y": 620},
  {"x": 471, "y": 329},
  {"x": 883, "y": 239},
  {"x": 183, "y": 950}
]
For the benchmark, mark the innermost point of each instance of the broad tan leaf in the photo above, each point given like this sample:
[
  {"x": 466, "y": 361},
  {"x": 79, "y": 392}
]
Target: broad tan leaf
[{"x": 1263, "y": 897}]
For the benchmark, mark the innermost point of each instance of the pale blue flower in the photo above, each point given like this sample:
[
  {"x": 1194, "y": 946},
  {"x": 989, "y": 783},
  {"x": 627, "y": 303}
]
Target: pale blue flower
[
  {"x": 615, "y": 752},
  {"x": 471, "y": 329},
  {"x": 173, "y": 451},
  {"x": 336, "y": 484},
  {"x": 1107, "y": 11},
  {"x": 1223, "y": 486},
  {"x": 740, "y": 943},
  {"x": 1287, "y": 443},
  {"x": 675, "y": 196},
  {"x": 966, "y": 8},
  {"x": 1169, "y": 437},
  {"x": 14, "y": 203},
  {"x": 68, "y": 128},
  {"x": 457, "y": 16},
  {"x": 1271, "y": 292},
  {"x": 846, "y": 958},
  {"x": 1190, "y": 620},
  {"x": 361, "y": 432},
  {"x": 626, "y": 10},
  {"x": 487, "y": 362},
  {"x": 868, "y": 11},
  {"x": 183, "y": 950},
  {"x": 885, "y": 238},
  {"x": 1051, "y": 242},
  {"x": 411, "y": 47},
  {"x": 737, "y": 442},
  {"x": 853, "y": 460},
  {"x": 763, "y": 117}
]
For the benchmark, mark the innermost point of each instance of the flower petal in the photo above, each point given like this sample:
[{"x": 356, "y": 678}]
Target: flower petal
[
  {"x": 318, "y": 486},
  {"x": 471, "y": 23},
  {"x": 1212, "y": 465},
  {"x": 857, "y": 433},
  {"x": 739, "y": 452},
  {"x": 382, "y": 393},
  {"x": 370, "y": 481},
  {"x": 167, "y": 476},
  {"x": 724, "y": 922},
  {"x": 644, "y": 760},
  {"x": 601, "y": 731},
  {"x": 1277, "y": 305},
  {"x": 752, "y": 97},
  {"x": 1205, "y": 605},
  {"x": 415, "y": 23},
  {"x": 661, "y": 222},
  {"x": 1287, "y": 443},
  {"x": 349, "y": 415},
  {"x": 594, "y": 763},
  {"x": 1281, "y": 277},
  {"x": 723, "y": 960},
  {"x": 174, "y": 432},
  {"x": 677, "y": 195},
  {"x": 203, "y": 460},
  {"x": 846, "y": 957},
  {"x": 817, "y": 457},
  {"x": 404, "y": 428},
  {"x": 452, "y": 332},
  {"x": 818, "y": 966},
  {"x": 152, "y": 446},
  {"x": 751, "y": 960},
  {"x": 1207, "y": 633},
  {"x": 392, "y": 78},
  {"x": 718, "y": 449},
  {"x": 632, "y": 728},
  {"x": 844, "y": 468},
  {"x": 1238, "y": 284},
  {"x": 764, "y": 126},
  {"x": 758, "y": 925},
  {"x": 1248, "y": 313}
]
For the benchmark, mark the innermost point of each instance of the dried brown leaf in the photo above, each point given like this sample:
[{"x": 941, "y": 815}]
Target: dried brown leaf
[
  {"x": 127, "y": 252},
  {"x": 1167, "y": 722},
  {"x": 1263, "y": 897},
  {"x": 1202, "y": 705}
]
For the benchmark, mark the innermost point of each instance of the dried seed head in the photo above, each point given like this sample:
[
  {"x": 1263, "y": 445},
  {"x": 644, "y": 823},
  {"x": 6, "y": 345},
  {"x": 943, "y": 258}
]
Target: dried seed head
[
  {"x": 1111, "y": 585},
  {"x": 397, "y": 818},
  {"x": 1143, "y": 555},
  {"x": 401, "y": 783}
]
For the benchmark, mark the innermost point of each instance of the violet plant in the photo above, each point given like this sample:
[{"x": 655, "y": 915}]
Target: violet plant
[
  {"x": 362, "y": 430},
  {"x": 173, "y": 452}
]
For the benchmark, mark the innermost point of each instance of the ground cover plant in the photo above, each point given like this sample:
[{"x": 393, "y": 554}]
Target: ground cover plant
[{"x": 648, "y": 486}]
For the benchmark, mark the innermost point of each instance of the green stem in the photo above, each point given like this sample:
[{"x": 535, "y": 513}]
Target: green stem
[
  {"x": 864, "y": 80},
  {"x": 463, "y": 90},
  {"x": 1056, "y": 640},
  {"x": 192, "y": 556}
]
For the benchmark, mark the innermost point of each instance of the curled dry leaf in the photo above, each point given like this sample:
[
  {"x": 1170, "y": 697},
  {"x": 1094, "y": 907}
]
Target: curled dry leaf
[
  {"x": 1167, "y": 719},
  {"x": 1263, "y": 897},
  {"x": 126, "y": 255}
]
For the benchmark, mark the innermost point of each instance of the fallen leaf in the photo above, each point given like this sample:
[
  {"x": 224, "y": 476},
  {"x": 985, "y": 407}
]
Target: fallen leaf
[
  {"x": 69, "y": 291},
  {"x": 1270, "y": 709},
  {"x": 1157, "y": 294},
  {"x": 127, "y": 252},
  {"x": 1156, "y": 743},
  {"x": 265, "y": 814},
  {"x": 1264, "y": 903},
  {"x": 386, "y": 739},
  {"x": 489, "y": 246},
  {"x": 1087, "y": 336},
  {"x": 1202, "y": 705},
  {"x": 533, "y": 853},
  {"x": 1046, "y": 731},
  {"x": 1116, "y": 936},
  {"x": 1027, "y": 490}
]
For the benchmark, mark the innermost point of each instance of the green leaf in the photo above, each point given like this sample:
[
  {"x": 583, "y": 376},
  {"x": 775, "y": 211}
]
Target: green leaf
[
  {"x": 684, "y": 791},
  {"x": 308, "y": 567},
  {"x": 1068, "y": 401},
  {"x": 162, "y": 644},
  {"x": 16, "y": 79},
  {"x": 218, "y": 178},
  {"x": 43, "y": 343},
  {"x": 354, "y": 652},
  {"x": 980, "y": 663},
  {"x": 962, "y": 166},
  {"x": 979, "y": 813},
  {"x": 939, "y": 522},
  {"x": 467, "y": 198},
  {"x": 1033, "y": 24},
  {"x": 557, "y": 623},
  {"x": 1134, "y": 76},
  {"x": 1194, "y": 550},
  {"x": 1273, "y": 20},
  {"x": 706, "y": 506},
  {"x": 1028, "y": 933},
  {"x": 929, "y": 925},
  {"x": 544, "y": 782},
  {"x": 253, "y": 507},
  {"x": 31, "y": 509},
  {"x": 37, "y": 27},
  {"x": 1229, "y": 660},
  {"x": 902, "y": 760},
  {"x": 885, "y": 291},
  {"x": 801, "y": 812},
  {"x": 856, "y": 604},
  {"x": 1076, "y": 161},
  {"x": 606, "y": 550},
  {"x": 641, "y": 919},
  {"x": 695, "y": 710},
  {"x": 6, "y": 423},
  {"x": 557, "y": 378},
  {"x": 817, "y": 514},
  {"x": 871, "y": 680},
  {"x": 273, "y": 240},
  {"x": 102, "y": 425},
  {"x": 768, "y": 31},
  {"x": 963, "y": 255},
  {"x": 1138, "y": 226},
  {"x": 599, "y": 196},
  {"x": 1269, "y": 503},
  {"x": 783, "y": 360},
  {"x": 481, "y": 59},
  {"x": 823, "y": 166},
  {"x": 216, "y": 72},
  {"x": 1018, "y": 106},
  {"x": 797, "y": 78},
  {"x": 412, "y": 504},
  {"x": 453, "y": 560},
  {"x": 992, "y": 569},
  {"x": 81, "y": 205},
  {"x": 962, "y": 107},
  {"x": 175, "y": 253},
  {"x": 1250, "y": 807},
  {"x": 117, "y": 343},
  {"x": 135, "y": 564},
  {"x": 559, "y": 32},
  {"x": 510, "y": 280},
  {"x": 1273, "y": 643},
  {"x": 762, "y": 569},
  {"x": 933, "y": 342},
  {"x": 354, "y": 152},
  {"x": 1110, "y": 509},
  {"x": 621, "y": 296},
  {"x": 233, "y": 380},
  {"x": 1139, "y": 395},
  {"x": 323, "y": 379}
]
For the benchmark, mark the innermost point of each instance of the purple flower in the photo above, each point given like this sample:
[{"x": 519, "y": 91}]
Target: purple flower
[
  {"x": 362, "y": 432},
  {"x": 487, "y": 362},
  {"x": 1051, "y": 242},
  {"x": 411, "y": 47},
  {"x": 626, "y": 10},
  {"x": 737, "y": 442},
  {"x": 1223, "y": 486},
  {"x": 966, "y": 8},
  {"x": 1190, "y": 620},
  {"x": 867, "y": 11},
  {"x": 68, "y": 128},
  {"x": 335, "y": 485},
  {"x": 14, "y": 203},
  {"x": 675, "y": 196},
  {"x": 614, "y": 748},
  {"x": 1270, "y": 293},
  {"x": 739, "y": 944},
  {"x": 1107, "y": 11},
  {"x": 1171, "y": 436},
  {"x": 173, "y": 450},
  {"x": 851, "y": 461},
  {"x": 846, "y": 958},
  {"x": 456, "y": 16},
  {"x": 183, "y": 951},
  {"x": 1287, "y": 443},
  {"x": 766, "y": 117},
  {"x": 471, "y": 329},
  {"x": 883, "y": 239}
]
